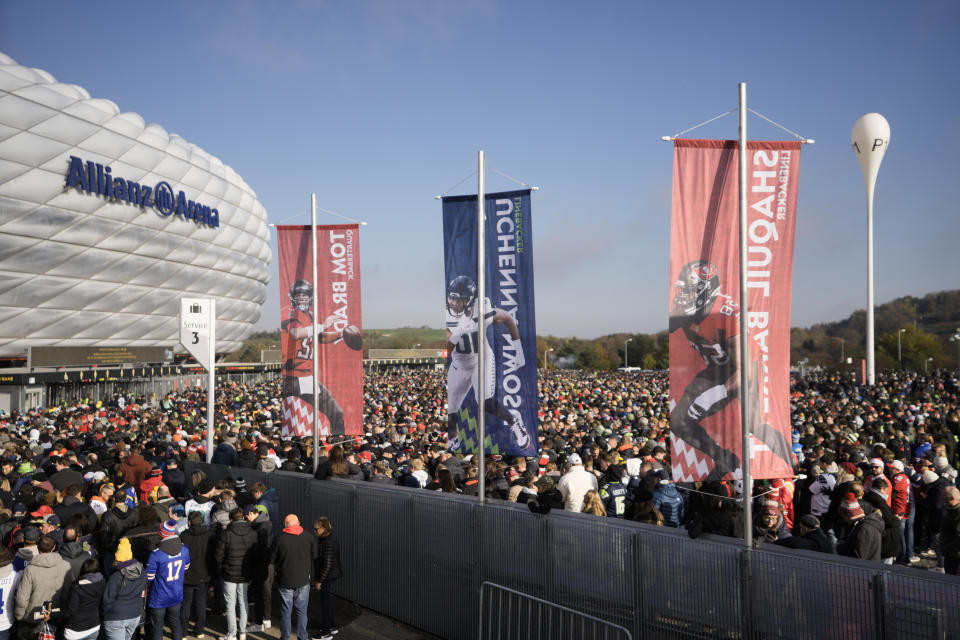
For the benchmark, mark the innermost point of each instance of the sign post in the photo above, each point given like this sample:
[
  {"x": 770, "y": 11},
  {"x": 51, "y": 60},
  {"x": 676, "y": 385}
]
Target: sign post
[{"x": 198, "y": 319}]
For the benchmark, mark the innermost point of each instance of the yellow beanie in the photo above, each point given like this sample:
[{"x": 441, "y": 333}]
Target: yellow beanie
[{"x": 123, "y": 551}]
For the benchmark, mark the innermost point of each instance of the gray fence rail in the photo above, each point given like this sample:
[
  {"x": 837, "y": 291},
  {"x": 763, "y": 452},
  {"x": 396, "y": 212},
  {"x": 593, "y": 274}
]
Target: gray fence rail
[{"x": 421, "y": 557}]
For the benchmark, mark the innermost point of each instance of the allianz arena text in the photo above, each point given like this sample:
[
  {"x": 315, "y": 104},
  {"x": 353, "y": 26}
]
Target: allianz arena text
[{"x": 106, "y": 222}]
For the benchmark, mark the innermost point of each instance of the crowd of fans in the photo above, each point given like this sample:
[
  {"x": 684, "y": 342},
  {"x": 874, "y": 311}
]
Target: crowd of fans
[{"x": 101, "y": 529}]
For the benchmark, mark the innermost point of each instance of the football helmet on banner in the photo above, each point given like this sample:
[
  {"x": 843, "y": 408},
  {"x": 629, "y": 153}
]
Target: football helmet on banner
[
  {"x": 301, "y": 295},
  {"x": 461, "y": 294},
  {"x": 696, "y": 289}
]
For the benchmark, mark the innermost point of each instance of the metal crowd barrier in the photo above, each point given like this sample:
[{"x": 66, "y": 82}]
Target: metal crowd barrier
[
  {"x": 510, "y": 615},
  {"x": 423, "y": 557}
]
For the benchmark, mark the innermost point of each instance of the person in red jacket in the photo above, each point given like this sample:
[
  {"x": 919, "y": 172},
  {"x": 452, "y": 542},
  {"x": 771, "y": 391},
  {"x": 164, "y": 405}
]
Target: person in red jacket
[
  {"x": 152, "y": 482},
  {"x": 134, "y": 468}
]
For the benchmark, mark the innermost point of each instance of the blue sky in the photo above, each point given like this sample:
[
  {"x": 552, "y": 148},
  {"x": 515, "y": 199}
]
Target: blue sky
[{"x": 379, "y": 106}]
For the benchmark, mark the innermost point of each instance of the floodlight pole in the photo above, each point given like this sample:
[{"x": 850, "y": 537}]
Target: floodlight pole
[{"x": 745, "y": 395}]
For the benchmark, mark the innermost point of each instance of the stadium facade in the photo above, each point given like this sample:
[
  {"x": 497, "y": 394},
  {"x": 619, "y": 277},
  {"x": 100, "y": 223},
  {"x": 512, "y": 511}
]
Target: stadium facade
[{"x": 106, "y": 222}]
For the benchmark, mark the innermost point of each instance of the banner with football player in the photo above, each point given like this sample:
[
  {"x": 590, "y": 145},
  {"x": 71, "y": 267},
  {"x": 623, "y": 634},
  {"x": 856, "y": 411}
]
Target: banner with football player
[
  {"x": 339, "y": 383},
  {"x": 509, "y": 334},
  {"x": 705, "y": 425}
]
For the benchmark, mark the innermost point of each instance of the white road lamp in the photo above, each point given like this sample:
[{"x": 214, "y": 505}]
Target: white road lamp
[
  {"x": 956, "y": 338},
  {"x": 626, "y": 363},
  {"x": 545, "y": 361},
  {"x": 870, "y": 138},
  {"x": 899, "y": 355}
]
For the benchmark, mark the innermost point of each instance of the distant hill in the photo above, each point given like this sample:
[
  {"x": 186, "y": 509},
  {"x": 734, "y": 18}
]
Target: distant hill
[
  {"x": 928, "y": 323},
  {"x": 402, "y": 338}
]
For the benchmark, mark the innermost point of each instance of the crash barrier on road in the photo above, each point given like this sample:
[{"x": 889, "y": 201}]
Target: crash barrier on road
[
  {"x": 421, "y": 557},
  {"x": 506, "y": 614}
]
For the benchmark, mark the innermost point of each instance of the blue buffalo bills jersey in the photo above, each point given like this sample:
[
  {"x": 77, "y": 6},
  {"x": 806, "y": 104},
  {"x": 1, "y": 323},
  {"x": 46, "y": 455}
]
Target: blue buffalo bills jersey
[{"x": 165, "y": 573}]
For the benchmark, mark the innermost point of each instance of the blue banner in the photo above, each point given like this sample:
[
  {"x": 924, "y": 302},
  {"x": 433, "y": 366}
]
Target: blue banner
[{"x": 510, "y": 328}]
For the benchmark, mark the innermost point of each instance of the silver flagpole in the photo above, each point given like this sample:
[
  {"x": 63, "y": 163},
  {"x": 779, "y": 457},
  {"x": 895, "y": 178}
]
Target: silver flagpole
[
  {"x": 316, "y": 333},
  {"x": 211, "y": 377},
  {"x": 481, "y": 320},
  {"x": 745, "y": 391}
]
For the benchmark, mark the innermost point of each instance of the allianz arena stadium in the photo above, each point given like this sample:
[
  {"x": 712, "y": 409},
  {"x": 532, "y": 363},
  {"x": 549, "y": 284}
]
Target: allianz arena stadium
[{"x": 106, "y": 222}]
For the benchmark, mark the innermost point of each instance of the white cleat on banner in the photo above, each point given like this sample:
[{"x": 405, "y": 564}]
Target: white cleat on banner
[{"x": 519, "y": 432}]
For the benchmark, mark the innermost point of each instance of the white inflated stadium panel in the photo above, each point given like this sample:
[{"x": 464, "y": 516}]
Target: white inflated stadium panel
[{"x": 82, "y": 269}]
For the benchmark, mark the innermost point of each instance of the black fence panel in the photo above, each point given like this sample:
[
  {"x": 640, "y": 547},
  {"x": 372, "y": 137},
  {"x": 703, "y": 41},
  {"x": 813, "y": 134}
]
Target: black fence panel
[
  {"x": 593, "y": 561},
  {"x": 384, "y": 547},
  {"x": 336, "y": 500},
  {"x": 293, "y": 493},
  {"x": 443, "y": 556},
  {"x": 515, "y": 550},
  {"x": 920, "y": 605},
  {"x": 687, "y": 588},
  {"x": 799, "y": 596}
]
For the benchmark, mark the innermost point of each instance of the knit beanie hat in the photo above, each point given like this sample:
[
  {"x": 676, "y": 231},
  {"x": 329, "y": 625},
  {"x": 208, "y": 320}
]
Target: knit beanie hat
[
  {"x": 850, "y": 508},
  {"x": 124, "y": 552},
  {"x": 930, "y": 476},
  {"x": 168, "y": 529},
  {"x": 770, "y": 508}
]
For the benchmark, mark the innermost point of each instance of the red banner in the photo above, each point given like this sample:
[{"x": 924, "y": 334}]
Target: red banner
[
  {"x": 339, "y": 383},
  {"x": 706, "y": 436}
]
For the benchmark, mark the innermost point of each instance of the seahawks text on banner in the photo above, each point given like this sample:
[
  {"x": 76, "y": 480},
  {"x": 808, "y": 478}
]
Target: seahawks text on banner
[{"x": 508, "y": 334}]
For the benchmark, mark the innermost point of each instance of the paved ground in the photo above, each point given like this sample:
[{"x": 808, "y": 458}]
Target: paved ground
[{"x": 355, "y": 623}]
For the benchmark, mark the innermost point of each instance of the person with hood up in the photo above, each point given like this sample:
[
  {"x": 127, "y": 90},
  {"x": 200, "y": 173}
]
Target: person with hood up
[
  {"x": 267, "y": 496},
  {"x": 196, "y": 582},
  {"x": 165, "y": 571},
  {"x": 45, "y": 579},
  {"x": 220, "y": 516},
  {"x": 268, "y": 461},
  {"x": 668, "y": 501},
  {"x": 9, "y": 580},
  {"x": 236, "y": 556},
  {"x": 83, "y": 603},
  {"x": 864, "y": 534},
  {"x": 123, "y": 595}
]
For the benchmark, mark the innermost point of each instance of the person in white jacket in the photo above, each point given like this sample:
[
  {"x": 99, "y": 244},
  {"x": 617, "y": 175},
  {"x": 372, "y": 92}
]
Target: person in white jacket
[{"x": 575, "y": 483}]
